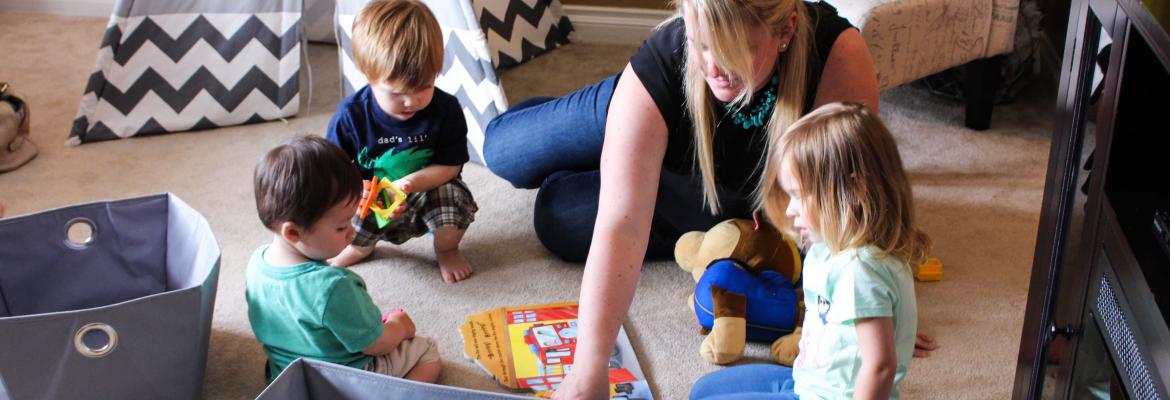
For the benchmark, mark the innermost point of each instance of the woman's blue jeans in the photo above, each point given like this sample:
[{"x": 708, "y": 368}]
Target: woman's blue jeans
[
  {"x": 555, "y": 144},
  {"x": 753, "y": 381}
]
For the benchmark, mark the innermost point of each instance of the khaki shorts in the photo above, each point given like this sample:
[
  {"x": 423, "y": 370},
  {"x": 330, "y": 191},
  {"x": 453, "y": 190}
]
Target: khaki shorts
[{"x": 409, "y": 354}]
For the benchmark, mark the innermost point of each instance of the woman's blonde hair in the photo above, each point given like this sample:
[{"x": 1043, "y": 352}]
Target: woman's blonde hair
[
  {"x": 398, "y": 42},
  {"x": 729, "y": 22},
  {"x": 851, "y": 180}
]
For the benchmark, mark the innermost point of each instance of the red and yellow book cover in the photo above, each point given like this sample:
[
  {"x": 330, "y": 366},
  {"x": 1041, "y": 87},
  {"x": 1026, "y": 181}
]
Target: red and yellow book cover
[{"x": 532, "y": 347}]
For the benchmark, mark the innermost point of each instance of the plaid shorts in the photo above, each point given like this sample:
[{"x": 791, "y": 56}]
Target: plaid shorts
[{"x": 448, "y": 205}]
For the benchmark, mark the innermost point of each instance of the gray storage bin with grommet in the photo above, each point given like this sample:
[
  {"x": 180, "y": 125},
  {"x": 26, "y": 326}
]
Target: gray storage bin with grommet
[
  {"x": 307, "y": 379},
  {"x": 108, "y": 300}
]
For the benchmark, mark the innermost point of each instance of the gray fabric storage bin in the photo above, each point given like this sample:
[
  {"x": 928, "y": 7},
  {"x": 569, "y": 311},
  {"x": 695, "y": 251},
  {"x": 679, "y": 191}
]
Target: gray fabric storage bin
[
  {"x": 125, "y": 314},
  {"x": 318, "y": 380}
]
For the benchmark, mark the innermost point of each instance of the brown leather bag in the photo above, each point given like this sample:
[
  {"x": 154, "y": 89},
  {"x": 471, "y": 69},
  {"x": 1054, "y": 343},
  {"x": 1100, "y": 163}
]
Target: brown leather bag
[{"x": 16, "y": 148}]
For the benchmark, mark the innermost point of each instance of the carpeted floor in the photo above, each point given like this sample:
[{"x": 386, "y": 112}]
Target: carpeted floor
[{"x": 978, "y": 195}]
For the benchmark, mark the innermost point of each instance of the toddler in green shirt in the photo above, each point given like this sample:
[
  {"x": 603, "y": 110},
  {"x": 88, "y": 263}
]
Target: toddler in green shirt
[{"x": 307, "y": 191}]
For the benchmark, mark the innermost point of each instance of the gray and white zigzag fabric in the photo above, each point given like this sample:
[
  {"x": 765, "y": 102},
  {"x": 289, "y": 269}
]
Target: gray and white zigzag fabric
[
  {"x": 467, "y": 69},
  {"x": 518, "y": 30},
  {"x": 171, "y": 65}
]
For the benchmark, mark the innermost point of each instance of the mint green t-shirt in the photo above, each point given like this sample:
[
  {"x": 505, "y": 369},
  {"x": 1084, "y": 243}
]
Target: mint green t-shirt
[
  {"x": 310, "y": 310},
  {"x": 838, "y": 290}
]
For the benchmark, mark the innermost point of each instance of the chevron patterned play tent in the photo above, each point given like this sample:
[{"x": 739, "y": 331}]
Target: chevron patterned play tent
[
  {"x": 518, "y": 30},
  {"x": 173, "y": 65},
  {"x": 168, "y": 66}
]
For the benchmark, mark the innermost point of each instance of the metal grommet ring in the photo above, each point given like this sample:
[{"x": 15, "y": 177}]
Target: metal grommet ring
[
  {"x": 104, "y": 350},
  {"x": 80, "y": 233}
]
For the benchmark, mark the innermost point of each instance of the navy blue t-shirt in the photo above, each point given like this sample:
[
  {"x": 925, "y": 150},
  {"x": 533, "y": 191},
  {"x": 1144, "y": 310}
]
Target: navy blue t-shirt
[{"x": 381, "y": 144}]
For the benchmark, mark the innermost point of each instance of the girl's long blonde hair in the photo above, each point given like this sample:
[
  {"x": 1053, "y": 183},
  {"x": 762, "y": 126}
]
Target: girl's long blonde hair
[
  {"x": 729, "y": 22},
  {"x": 852, "y": 183}
]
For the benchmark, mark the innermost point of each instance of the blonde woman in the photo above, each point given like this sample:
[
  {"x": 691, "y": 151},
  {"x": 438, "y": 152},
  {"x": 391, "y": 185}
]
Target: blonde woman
[
  {"x": 674, "y": 143},
  {"x": 837, "y": 181}
]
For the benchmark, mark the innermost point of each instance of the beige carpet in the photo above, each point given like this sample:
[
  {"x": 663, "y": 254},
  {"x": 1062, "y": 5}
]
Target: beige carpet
[{"x": 978, "y": 195}]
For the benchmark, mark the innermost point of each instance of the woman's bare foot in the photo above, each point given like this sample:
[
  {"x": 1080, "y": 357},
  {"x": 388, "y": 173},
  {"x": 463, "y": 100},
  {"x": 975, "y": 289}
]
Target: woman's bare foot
[
  {"x": 453, "y": 266},
  {"x": 350, "y": 256}
]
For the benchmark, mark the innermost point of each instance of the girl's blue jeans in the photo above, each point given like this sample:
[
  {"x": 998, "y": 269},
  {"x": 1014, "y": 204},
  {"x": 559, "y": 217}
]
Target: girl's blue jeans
[{"x": 554, "y": 144}]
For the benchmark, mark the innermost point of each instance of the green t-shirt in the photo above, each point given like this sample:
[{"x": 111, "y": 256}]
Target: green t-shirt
[
  {"x": 838, "y": 290},
  {"x": 310, "y": 310}
]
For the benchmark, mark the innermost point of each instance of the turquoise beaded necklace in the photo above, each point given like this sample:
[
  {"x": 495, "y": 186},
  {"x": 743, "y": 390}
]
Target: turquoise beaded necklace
[{"x": 756, "y": 114}]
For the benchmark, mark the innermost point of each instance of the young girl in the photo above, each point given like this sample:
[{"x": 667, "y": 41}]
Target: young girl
[{"x": 836, "y": 180}]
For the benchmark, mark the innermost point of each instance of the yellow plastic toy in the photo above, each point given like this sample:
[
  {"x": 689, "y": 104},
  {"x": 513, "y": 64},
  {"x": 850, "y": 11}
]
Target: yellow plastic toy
[
  {"x": 930, "y": 270},
  {"x": 384, "y": 198}
]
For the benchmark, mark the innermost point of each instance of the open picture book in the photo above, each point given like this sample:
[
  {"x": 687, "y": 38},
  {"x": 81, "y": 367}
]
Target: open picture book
[{"x": 532, "y": 348}]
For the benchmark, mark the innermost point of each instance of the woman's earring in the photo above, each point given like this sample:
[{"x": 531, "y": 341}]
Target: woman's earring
[{"x": 784, "y": 47}]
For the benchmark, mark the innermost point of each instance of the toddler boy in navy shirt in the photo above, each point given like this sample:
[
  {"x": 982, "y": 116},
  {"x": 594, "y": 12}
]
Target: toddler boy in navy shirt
[{"x": 403, "y": 129}]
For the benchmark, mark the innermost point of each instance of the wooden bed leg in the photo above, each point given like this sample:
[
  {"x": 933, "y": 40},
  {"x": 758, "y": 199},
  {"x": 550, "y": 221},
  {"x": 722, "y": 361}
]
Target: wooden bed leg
[{"x": 980, "y": 83}]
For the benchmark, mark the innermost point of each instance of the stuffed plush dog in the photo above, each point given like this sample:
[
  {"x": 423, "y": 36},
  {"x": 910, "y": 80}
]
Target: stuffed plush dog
[{"x": 747, "y": 288}]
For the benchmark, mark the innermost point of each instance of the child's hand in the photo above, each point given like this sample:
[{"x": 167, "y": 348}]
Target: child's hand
[
  {"x": 365, "y": 195},
  {"x": 398, "y": 211},
  {"x": 404, "y": 184},
  {"x": 396, "y": 327},
  {"x": 399, "y": 320},
  {"x": 386, "y": 317}
]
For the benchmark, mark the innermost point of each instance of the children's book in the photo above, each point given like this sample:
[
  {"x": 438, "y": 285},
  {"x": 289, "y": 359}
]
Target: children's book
[{"x": 532, "y": 348}]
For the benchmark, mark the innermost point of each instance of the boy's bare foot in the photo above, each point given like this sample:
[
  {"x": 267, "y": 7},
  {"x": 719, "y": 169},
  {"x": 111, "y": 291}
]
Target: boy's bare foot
[
  {"x": 451, "y": 263},
  {"x": 453, "y": 266},
  {"x": 350, "y": 256}
]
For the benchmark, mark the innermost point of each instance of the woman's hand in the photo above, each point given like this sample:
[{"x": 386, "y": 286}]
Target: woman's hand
[
  {"x": 580, "y": 384},
  {"x": 631, "y": 159}
]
